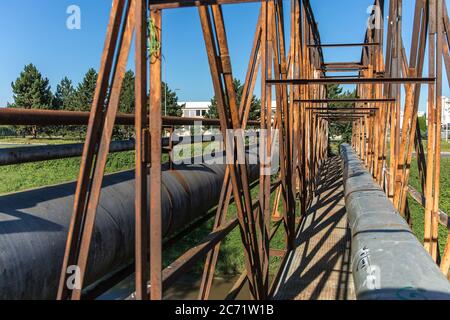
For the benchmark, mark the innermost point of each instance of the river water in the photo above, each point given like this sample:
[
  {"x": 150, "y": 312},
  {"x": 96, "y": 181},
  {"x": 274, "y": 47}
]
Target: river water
[{"x": 186, "y": 288}]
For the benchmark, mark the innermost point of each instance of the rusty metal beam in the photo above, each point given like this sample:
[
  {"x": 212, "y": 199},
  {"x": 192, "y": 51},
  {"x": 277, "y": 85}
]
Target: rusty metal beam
[
  {"x": 26, "y": 117},
  {"x": 342, "y": 108}
]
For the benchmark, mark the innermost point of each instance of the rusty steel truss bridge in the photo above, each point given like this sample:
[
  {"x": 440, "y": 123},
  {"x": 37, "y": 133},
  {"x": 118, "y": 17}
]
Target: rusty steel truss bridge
[{"x": 345, "y": 218}]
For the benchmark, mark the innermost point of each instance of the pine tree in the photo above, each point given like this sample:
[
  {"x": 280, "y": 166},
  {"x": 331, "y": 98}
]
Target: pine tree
[
  {"x": 127, "y": 98},
  {"x": 84, "y": 95},
  {"x": 82, "y": 98},
  {"x": 62, "y": 101},
  {"x": 31, "y": 91},
  {"x": 63, "y": 95},
  {"x": 126, "y": 105},
  {"x": 255, "y": 107}
]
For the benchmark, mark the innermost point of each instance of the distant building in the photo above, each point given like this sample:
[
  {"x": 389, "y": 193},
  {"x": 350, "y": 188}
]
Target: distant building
[
  {"x": 198, "y": 109},
  {"x": 445, "y": 115},
  {"x": 419, "y": 114},
  {"x": 195, "y": 109}
]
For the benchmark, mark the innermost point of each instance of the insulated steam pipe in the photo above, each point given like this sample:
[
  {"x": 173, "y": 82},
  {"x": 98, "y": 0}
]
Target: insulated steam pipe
[{"x": 388, "y": 262}]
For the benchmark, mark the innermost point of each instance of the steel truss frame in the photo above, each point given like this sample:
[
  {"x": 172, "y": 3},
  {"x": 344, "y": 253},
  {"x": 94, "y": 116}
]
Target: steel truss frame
[{"x": 292, "y": 72}]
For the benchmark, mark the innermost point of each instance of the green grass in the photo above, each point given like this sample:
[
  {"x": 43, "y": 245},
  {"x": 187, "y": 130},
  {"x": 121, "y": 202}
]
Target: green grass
[
  {"x": 25, "y": 176},
  {"x": 38, "y": 141},
  {"x": 417, "y": 212},
  {"x": 445, "y": 146}
]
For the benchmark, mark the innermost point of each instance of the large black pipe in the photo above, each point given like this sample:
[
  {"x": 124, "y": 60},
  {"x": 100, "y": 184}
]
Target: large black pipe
[{"x": 33, "y": 226}]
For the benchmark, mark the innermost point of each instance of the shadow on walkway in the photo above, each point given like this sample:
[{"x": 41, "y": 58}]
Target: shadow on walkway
[{"x": 319, "y": 267}]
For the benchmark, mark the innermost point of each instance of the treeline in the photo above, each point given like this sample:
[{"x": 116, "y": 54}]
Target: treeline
[
  {"x": 343, "y": 129},
  {"x": 255, "y": 104},
  {"x": 31, "y": 90}
]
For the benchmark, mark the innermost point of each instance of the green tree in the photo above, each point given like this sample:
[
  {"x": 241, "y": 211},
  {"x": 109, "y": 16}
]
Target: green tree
[
  {"x": 84, "y": 95},
  {"x": 127, "y": 98},
  {"x": 31, "y": 91},
  {"x": 255, "y": 106},
  {"x": 126, "y": 105},
  {"x": 82, "y": 99},
  {"x": 63, "y": 95},
  {"x": 423, "y": 125},
  {"x": 63, "y": 100},
  {"x": 172, "y": 108},
  {"x": 343, "y": 129}
]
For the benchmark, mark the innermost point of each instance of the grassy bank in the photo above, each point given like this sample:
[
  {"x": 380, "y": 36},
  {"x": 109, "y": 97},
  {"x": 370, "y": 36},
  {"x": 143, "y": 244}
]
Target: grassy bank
[
  {"x": 37, "y": 174},
  {"x": 417, "y": 212},
  {"x": 445, "y": 145},
  {"x": 37, "y": 141}
]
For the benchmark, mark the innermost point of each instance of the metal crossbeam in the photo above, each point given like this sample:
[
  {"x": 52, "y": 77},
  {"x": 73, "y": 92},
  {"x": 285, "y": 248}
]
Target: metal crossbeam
[
  {"x": 332, "y": 45},
  {"x": 353, "y": 100},
  {"x": 301, "y": 81}
]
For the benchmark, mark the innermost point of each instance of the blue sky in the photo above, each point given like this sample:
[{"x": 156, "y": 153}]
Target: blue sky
[{"x": 35, "y": 31}]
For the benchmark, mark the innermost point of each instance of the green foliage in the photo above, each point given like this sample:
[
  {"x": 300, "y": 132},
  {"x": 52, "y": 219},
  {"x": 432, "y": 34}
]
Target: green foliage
[
  {"x": 84, "y": 95},
  {"x": 62, "y": 101},
  {"x": 255, "y": 107},
  {"x": 172, "y": 107},
  {"x": 343, "y": 129},
  {"x": 31, "y": 91},
  {"x": 126, "y": 105},
  {"x": 417, "y": 211},
  {"x": 63, "y": 95},
  {"x": 422, "y": 121},
  {"x": 81, "y": 99}
]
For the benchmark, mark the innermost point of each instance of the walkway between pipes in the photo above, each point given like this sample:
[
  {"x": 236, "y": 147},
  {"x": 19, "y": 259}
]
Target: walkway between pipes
[{"x": 319, "y": 266}]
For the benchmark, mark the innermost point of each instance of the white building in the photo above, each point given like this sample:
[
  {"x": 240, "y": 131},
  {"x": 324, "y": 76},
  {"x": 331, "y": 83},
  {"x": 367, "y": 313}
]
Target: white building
[
  {"x": 198, "y": 109},
  {"x": 445, "y": 110},
  {"x": 195, "y": 109},
  {"x": 445, "y": 115}
]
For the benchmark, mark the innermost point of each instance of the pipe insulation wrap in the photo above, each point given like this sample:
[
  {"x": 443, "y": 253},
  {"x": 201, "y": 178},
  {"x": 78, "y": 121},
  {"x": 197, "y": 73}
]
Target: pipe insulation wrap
[
  {"x": 34, "y": 223},
  {"x": 387, "y": 260}
]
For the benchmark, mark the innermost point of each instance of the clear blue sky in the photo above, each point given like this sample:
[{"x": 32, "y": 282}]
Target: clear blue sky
[{"x": 35, "y": 31}]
